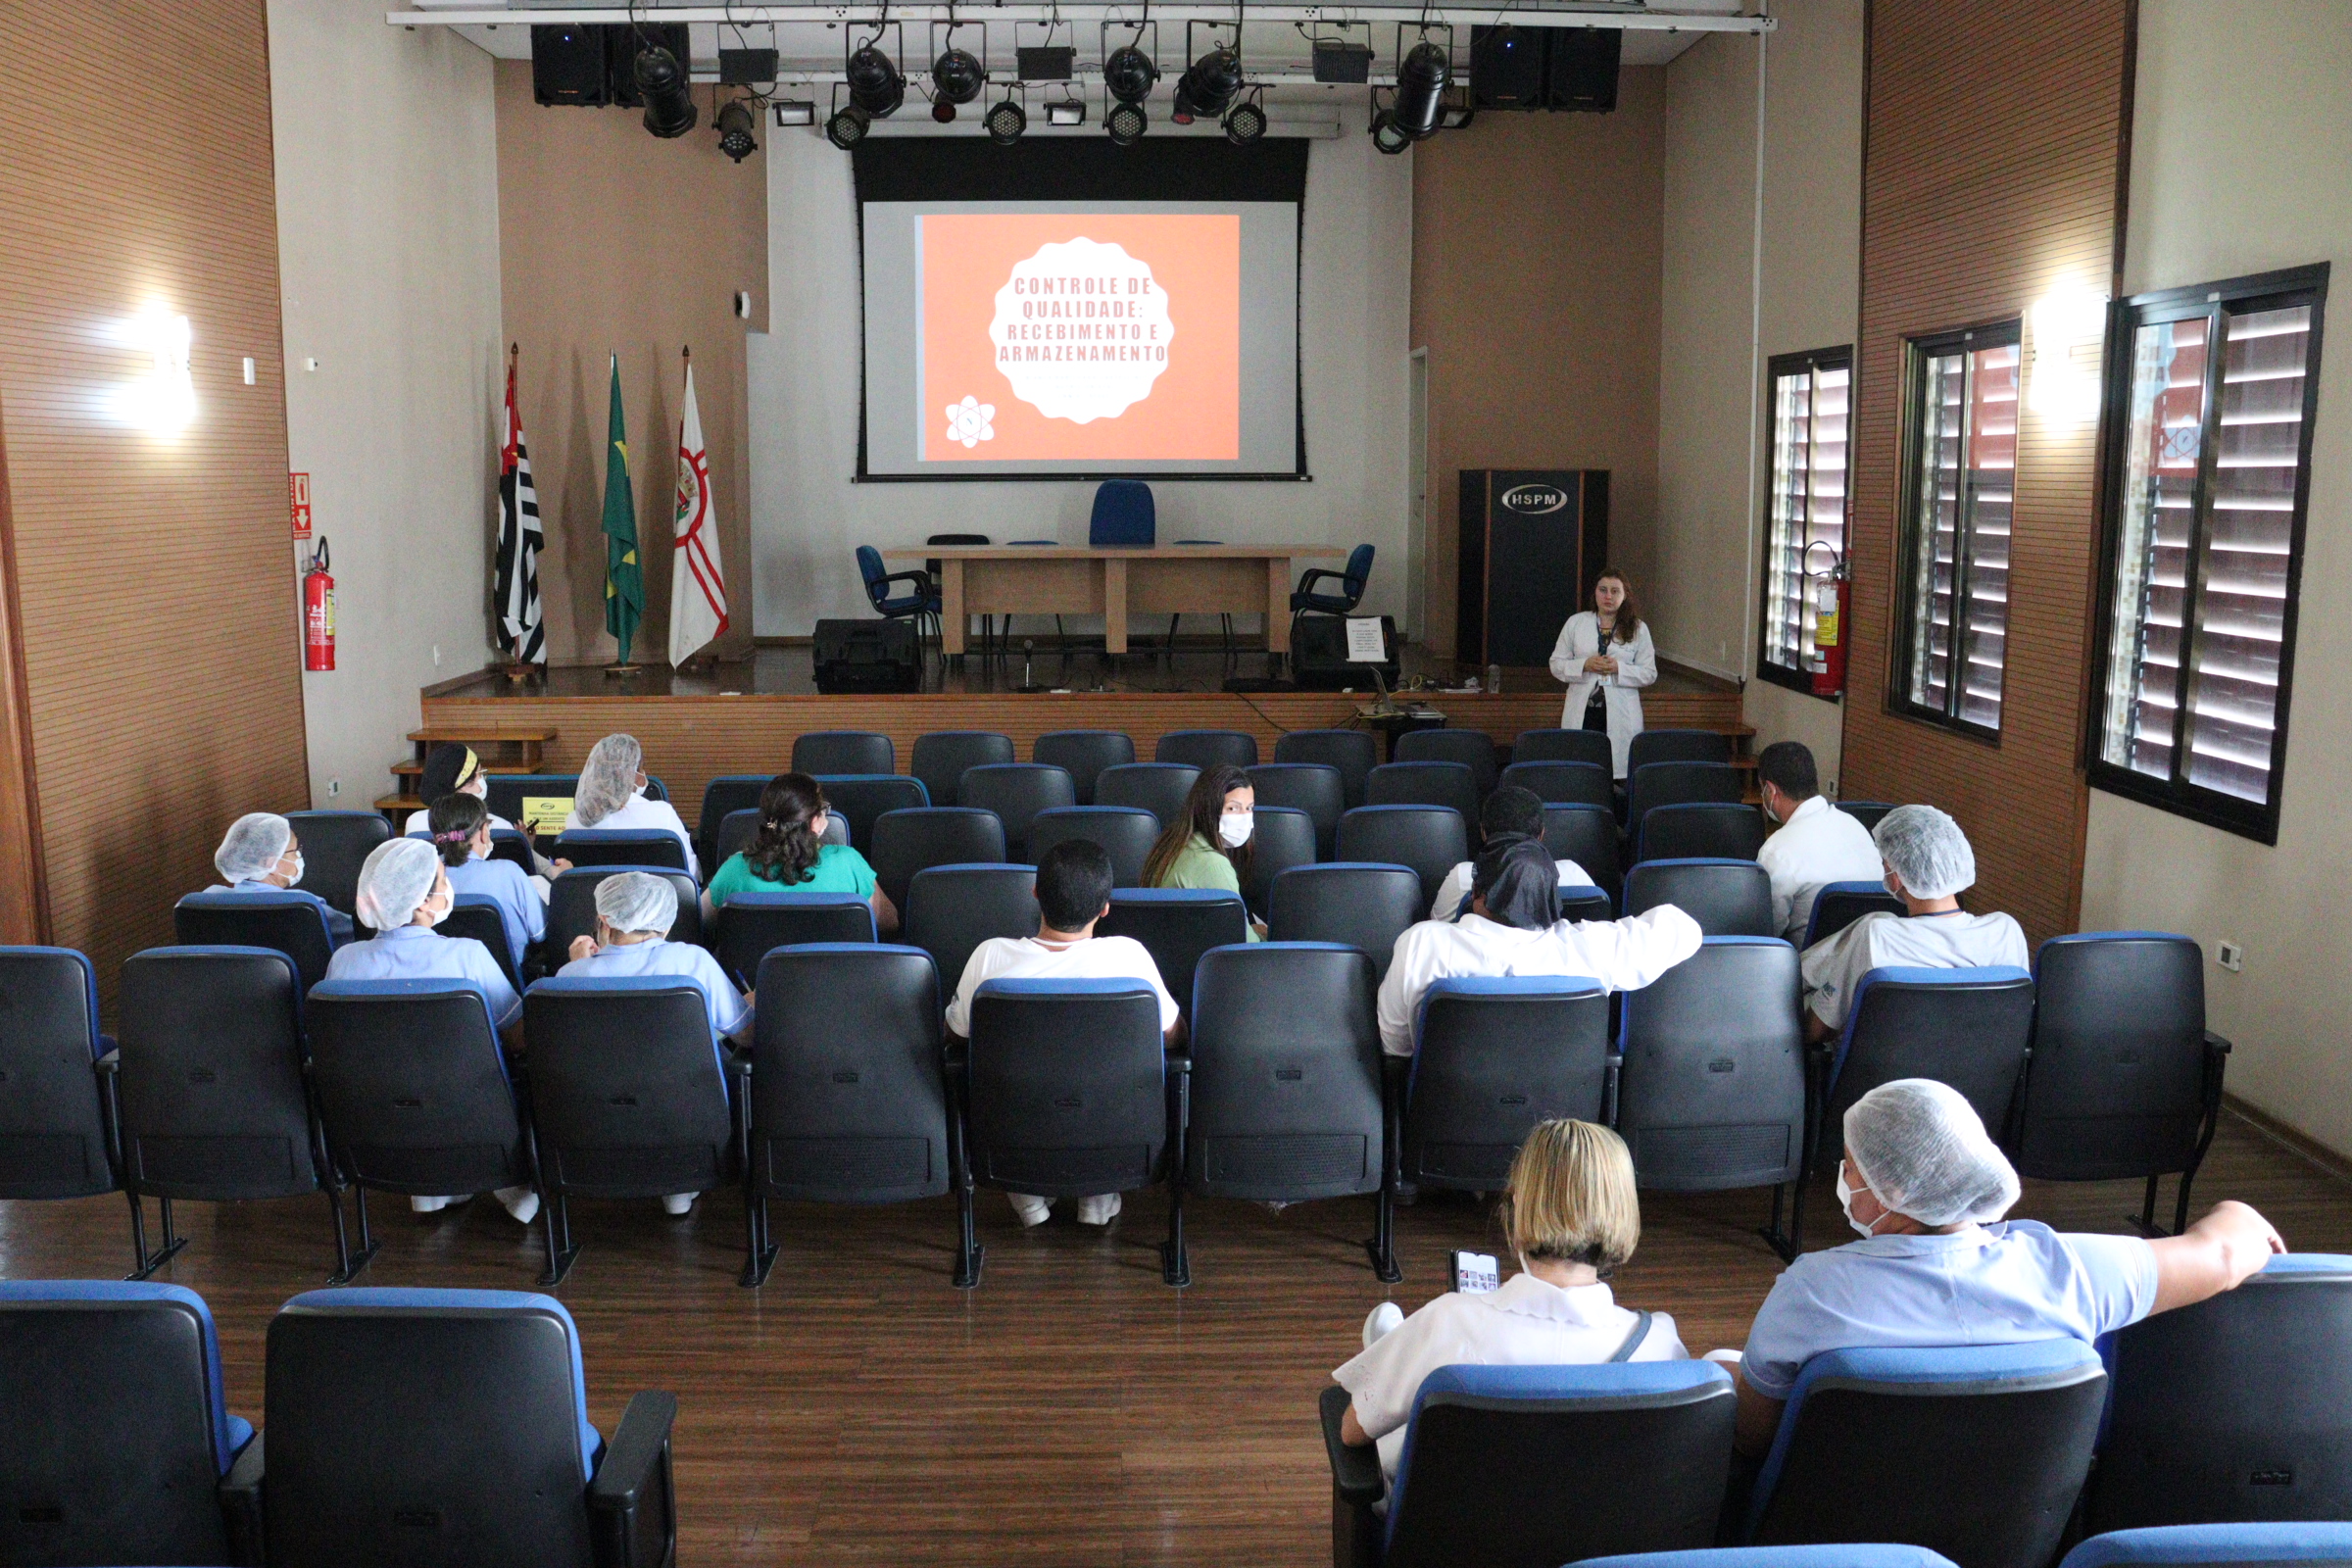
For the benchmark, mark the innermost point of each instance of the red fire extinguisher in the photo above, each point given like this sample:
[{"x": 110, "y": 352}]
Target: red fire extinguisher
[
  {"x": 318, "y": 613},
  {"x": 1833, "y": 595}
]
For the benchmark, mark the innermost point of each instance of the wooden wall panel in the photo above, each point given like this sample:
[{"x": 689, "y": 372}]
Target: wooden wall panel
[
  {"x": 23, "y": 901},
  {"x": 154, "y": 580},
  {"x": 1995, "y": 133}
]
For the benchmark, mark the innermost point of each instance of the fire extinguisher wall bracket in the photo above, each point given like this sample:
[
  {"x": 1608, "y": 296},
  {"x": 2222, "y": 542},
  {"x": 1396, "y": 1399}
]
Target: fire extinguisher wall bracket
[{"x": 318, "y": 612}]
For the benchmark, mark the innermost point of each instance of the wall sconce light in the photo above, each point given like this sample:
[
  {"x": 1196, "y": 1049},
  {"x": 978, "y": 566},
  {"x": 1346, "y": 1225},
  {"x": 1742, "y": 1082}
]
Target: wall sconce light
[
  {"x": 163, "y": 401},
  {"x": 2069, "y": 334}
]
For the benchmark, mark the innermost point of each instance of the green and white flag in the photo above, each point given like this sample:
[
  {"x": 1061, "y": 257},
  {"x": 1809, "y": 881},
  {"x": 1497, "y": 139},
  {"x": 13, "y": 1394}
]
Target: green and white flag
[{"x": 625, "y": 578}]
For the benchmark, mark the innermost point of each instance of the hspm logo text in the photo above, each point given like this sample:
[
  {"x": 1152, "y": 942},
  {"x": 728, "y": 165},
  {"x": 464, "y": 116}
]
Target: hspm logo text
[{"x": 1533, "y": 498}]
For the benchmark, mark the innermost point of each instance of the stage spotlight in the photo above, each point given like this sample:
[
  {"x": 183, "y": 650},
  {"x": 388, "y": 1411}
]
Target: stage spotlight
[
  {"x": 1419, "y": 101},
  {"x": 795, "y": 111},
  {"x": 875, "y": 83},
  {"x": 1005, "y": 122},
  {"x": 669, "y": 110},
  {"x": 1126, "y": 123},
  {"x": 847, "y": 126},
  {"x": 1129, "y": 75},
  {"x": 943, "y": 111},
  {"x": 1208, "y": 85},
  {"x": 1066, "y": 111},
  {"x": 957, "y": 76},
  {"x": 734, "y": 124},
  {"x": 1245, "y": 123}
]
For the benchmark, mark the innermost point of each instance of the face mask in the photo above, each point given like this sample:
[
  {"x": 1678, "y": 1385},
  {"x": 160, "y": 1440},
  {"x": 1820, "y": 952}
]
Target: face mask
[
  {"x": 1234, "y": 827},
  {"x": 294, "y": 877},
  {"x": 447, "y": 905},
  {"x": 480, "y": 789},
  {"x": 1845, "y": 1202}
]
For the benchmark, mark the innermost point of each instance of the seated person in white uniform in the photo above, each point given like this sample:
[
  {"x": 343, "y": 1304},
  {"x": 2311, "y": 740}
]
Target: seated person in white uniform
[
  {"x": 1514, "y": 928},
  {"x": 1073, "y": 893},
  {"x": 1509, "y": 813},
  {"x": 261, "y": 854},
  {"x": 1815, "y": 845},
  {"x": 1926, "y": 1188},
  {"x": 403, "y": 896},
  {"x": 634, "y": 912},
  {"x": 1928, "y": 864},
  {"x": 610, "y": 796},
  {"x": 1572, "y": 1217},
  {"x": 454, "y": 769},
  {"x": 459, "y": 825}
]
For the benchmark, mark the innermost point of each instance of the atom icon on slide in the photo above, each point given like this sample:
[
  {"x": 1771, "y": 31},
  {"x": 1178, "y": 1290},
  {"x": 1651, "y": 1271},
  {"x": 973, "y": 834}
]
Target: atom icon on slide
[{"x": 968, "y": 421}]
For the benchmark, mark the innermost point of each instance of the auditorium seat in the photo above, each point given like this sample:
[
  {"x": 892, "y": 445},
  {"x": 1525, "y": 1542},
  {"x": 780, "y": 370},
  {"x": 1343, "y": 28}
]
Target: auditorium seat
[
  {"x": 1587, "y": 835},
  {"x": 1870, "y": 813},
  {"x": 621, "y": 846},
  {"x": 1677, "y": 746},
  {"x": 56, "y": 1139},
  {"x": 1159, "y": 788},
  {"x": 843, "y": 750},
  {"x": 1586, "y": 904},
  {"x": 2223, "y": 1545},
  {"x": 1125, "y": 833},
  {"x": 284, "y": 921},
  {"x": 1285, "y": 1114},
  {"x": 1283, "y": 838},
  {"x": 479, "y": 915},
  {"x": 1701, "y": 830},
  {"x": 722, "y": 797},
  {"x": 1558, "y": 783},
  {"x": 395, "y": 1413},
  {"x": 1205, "y": 749},
  {"x": 1082, "y": 754},
  {"x": 413, "y": 1090},
  {"x": 1176, "y": 925},
  {"x": 738, "y": 828},
  {"x": 1448, "y": 784},
  {"x": 910, "y": 841},
  {"x": 847, "y": 1102},
  {"x": 1315, "y": 788},
  {"x": 859, "y": 798},
  {"x": 1727, "y": 897},
  {"x": 514, "y": 846},
  {"x": 1656, "y": 784},
  {"x": 1841, "y": 903},
  {"x": 950, "y": 910},
  {"x": 1565, "y": 746},
  {"x": 214, "y": 1101},
  {"x": 1535, "y": 1466},
  {"x": 1711, "y": 1092},
  {"x": 940, "y": 757},
  {"x": 117, "y": 1432},
  {"x": 1492, "y": 1055},
  {"x": 1968, "y": 1028},
  {"x": 2125, "y": 1079},
  {"x": 505, "y": 793},
  {"x": 571, "y": 907},
  {"x": 334, "y": 846},
  {"x": 628, "y": 1095},
  {"x": 1354, "y": 752},
  {"x": 2238, "y": 1407},
  {"x": 1356, "y": 905},
  {"x": 1067, "y": 1096},
  {"x": 1978, "y": 1453},
  {"x": 1430, "y": 839},
  {"x": 750, "y": 925},
  {"x": 1842, "y": 1554},
  {"x": 1473, "y": 749},
  {"x": 1016, "y": 791}
]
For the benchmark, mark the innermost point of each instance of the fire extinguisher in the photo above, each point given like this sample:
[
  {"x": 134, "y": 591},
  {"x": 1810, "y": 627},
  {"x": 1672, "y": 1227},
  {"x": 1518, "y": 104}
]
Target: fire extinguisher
[
  {"x": 1832, "y": 596},
  {"x": 318, "y": 613}
]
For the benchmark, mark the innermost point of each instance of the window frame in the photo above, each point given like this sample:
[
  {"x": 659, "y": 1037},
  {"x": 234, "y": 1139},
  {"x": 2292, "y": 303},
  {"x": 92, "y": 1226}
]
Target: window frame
[
  {"x": 1999, "y": 332},
  {"x": 1809, "y": 362},
  {"x": 2206, "y": 302}
]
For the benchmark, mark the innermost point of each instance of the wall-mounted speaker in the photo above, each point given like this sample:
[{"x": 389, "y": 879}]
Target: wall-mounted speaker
[
  {"x": 1506, "y": 68},
  {"x": 568, "y": 64},
  {"x": 1583, "y": 74}
]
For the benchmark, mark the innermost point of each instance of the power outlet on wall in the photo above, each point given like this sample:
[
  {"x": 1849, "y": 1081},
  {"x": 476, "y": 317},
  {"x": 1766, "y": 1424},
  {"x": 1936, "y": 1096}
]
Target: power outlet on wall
[
  {"x": 436, "y": 656},
  {"x": 2230, "y": 957},
  {"x": 334, "y": 787}
]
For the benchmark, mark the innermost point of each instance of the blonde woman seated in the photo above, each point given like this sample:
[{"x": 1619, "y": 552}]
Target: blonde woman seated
[{"x": 1572, "y": 1217}]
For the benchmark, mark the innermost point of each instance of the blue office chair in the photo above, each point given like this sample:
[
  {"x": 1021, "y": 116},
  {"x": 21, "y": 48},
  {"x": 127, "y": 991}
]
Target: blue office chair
[
  {"x": 1564, "y": 783},
  {"x": 1969, "y": 1028},
  {"x": 1492, "y": 1055},
  {"x": 722, "y": 798},
  {"x": 1017, "y": 791},
  {"x": 1564, "y": 746},
  {"x": 1351, "y": 581},
  {"x": 2215, "y": 1545},
  {"x": 1124, "y": 518},
  {"x": 1284, "y": 840},
  {"x": 1159, "y": 788},
  {"x": 1701, "y": 830},
  {"x": 1587, "y": 835},
  {"x": 1440, "y": 784},
  {"x": 1205, "y": 748},
  {"x": 942, "y": 758},
  {"x": 1473, "y": 749},
  {"x": 920, "y": 607}
]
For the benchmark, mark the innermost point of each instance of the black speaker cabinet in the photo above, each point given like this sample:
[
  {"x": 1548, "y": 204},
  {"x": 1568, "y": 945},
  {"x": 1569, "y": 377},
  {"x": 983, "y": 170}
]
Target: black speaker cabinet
[
  {"x": 1506, "y": 68},
  {"x": 1533, "y": 540},
  {"x": 867, "y": 656},
  {"x": 567, "y": 65},
  {"x": 1319, "y": 660},
  {"x": 1582, "y": 69}
]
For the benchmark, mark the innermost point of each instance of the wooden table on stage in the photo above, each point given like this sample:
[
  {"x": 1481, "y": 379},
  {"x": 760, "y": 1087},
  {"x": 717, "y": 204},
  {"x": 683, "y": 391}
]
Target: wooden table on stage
[{"x": 1067, "y": 580}]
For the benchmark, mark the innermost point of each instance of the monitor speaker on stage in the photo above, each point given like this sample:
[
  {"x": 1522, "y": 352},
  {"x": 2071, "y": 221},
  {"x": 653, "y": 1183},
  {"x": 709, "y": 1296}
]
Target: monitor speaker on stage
[
  {"x": 1319, "y": 654},
  {"x": 1533, "y": 540},
  {"x": 867, "y": 656}
]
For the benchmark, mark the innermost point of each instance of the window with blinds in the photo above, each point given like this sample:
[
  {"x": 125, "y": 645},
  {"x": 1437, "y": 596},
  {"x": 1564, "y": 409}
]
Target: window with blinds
[
  {"x": 1804, "y": 521},
  {"x": 1961, "y": 467},
  {"x": 2210, "y": 409}
]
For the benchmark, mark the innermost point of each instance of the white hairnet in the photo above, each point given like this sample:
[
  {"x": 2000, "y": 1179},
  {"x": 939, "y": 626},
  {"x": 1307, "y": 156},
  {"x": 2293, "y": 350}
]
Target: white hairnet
[
  {"x": 256, "y": 842},
  {"x": 608, "y": 778},
  {"x": 1920, "y": 1145},
  {"x": 1927, "y": 850},
  {"x": 394, "y": 880},
  {"x": 637, "y": 901}
]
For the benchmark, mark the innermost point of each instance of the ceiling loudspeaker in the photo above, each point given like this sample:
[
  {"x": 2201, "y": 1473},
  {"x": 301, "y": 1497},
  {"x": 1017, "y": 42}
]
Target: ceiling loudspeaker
[
  {"x": 567, "y": 65},
  {"x": 1545, "y": 68},
  {"x": 1506, "y": 68},
  {"x": 1583, "y": 70}
]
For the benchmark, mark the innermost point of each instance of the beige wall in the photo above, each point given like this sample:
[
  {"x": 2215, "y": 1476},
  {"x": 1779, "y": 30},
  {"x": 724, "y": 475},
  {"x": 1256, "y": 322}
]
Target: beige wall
[
  {"x": 1536, "y": 270},
  {"x": 2240, "y": 143},
  {"x": 612, "y": 240}
]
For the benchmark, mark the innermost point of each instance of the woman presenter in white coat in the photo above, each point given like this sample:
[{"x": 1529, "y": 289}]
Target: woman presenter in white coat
[{"x": 1605, "y": 656}]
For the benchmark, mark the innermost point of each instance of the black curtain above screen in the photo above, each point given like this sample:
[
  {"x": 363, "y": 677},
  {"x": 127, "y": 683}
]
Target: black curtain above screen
[{"x": 958, "y": 168}]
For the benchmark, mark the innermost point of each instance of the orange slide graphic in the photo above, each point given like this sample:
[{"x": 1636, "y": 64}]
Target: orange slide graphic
[{"x": 1081, "y": 336}]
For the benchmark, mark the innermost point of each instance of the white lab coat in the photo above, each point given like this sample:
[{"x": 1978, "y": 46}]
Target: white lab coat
[
  {"x": 1622, "y": 954},
  {"x": 1817, "y": 845},
  {"x": 1636, "y": 668}
]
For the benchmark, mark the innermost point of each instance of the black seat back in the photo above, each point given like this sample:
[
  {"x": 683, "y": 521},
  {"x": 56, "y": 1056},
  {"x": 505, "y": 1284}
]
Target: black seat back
[
  {"x": 1494, "y": 1056},
  {"x": 1712, "y": 1090},
  {"x": 1841, "y": 903},
  {"x": 1280, "y": 1113},
  {"x": 722, "y": 798},
  {"x": 505, "y": 793},
  {"x": 1559, "y": 783},
  {"x": 334, "y": 846},
  {"x": 1678, "y": 784},
  {"x": 1316, "y": 788},
  {"x": 571, "y": 905},
  {"x": 622, "y": 846},
  {"x": 1016, "y": 791},
  {"x": 1565, "y": 746},
  {"x": 750, "y": 925},
  {"x": 2121, "y": 1083},
  {"x": 284, "y": 922},
  {"x": 627, "y": 1094},
  {"x": 1082, "y": 754},
  {"x": 1727, "y": 897},
  {"x": 1125, "y": 833},
  {"x": 1448, "y": 784},
  {"x": 737, "y": 829},
  {"x": 1968, "y": 1028},
  {"x": 1365, "y": 907},
  {"x": 1159, "y": 788},
  {"x": 477, "y": 916},
  {"x": 860, "y": 798},
  {"x": 1474, "y": 749},
  {"x": 1176, "y": 925},
  {"x": 1430, "y": 839},
  {"x": 1587, "y": 835},
  {"x": 1282, "y": 837},
  {"x": 843, "y": 750},
  {"x": 942, "y": 756},
  {"x": 53, "y": 1135},
  {"x": 1870, "y": 813},
  {"x": 1701, "y": 830},
  {"x": 1354, "y": 752},
  {"x": 1677, "y": 746},
  {"x": 1069, "y": 1091},
  {"x": 848, "y": 1104},
  {"x": 1585, "y": 904},
  {"x": 412, "y": 1087},
  {"x": 950, "y": 910},
  {"x": 910, "y": 841},
  {"x": 1205, "y": 749},
  {"x": 214, "y": 1105}
]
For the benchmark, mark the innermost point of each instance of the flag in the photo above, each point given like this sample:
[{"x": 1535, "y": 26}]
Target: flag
[
  {"x": 625, "y": 579},
  {"x": 698, "y": 591},
  {"x": 520, "y": 538}
]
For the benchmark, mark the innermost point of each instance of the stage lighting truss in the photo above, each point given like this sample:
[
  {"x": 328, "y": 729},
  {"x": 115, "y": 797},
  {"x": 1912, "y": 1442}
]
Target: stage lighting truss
[
  {"x": 1213, "y": 81},
  {"x": 1416, "y": 104},
  {"x": 958, "y": 76}
]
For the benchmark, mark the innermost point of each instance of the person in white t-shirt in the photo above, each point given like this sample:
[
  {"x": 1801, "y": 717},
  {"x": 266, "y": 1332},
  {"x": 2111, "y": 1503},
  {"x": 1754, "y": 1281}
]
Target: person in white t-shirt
[
  {"x": 610, "y": 795},
  {"x": 1509, "y": 811},
  {"x": 1815, "y": 845},
  {"x": 1074, "y": 880},
  {"x": 1514, "y": 928},
  {"x": 1928, "y": 864},
  {"x": 1572, "y": 1217}
]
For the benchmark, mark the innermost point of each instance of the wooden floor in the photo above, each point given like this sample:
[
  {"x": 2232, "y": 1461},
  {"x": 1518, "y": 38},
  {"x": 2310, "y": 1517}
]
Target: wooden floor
[{"x": 1072, "y": 1409}]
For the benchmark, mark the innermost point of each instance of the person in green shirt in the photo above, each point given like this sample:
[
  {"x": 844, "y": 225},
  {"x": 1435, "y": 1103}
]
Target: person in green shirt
[
  {"x": 1209, "y": 845},
  {"x": 789, "y": 855}
]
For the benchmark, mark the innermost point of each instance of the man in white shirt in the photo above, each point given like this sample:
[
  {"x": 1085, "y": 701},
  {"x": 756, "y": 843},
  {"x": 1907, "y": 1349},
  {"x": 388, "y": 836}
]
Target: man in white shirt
[
  {"x": 1927, "y": 864},
  {"x": 1074, "y": 880},
  {"x": 1815, "y": 843},
  {"x": 1514, "y": 928},
  {"x": 1509, "y": 810}
]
